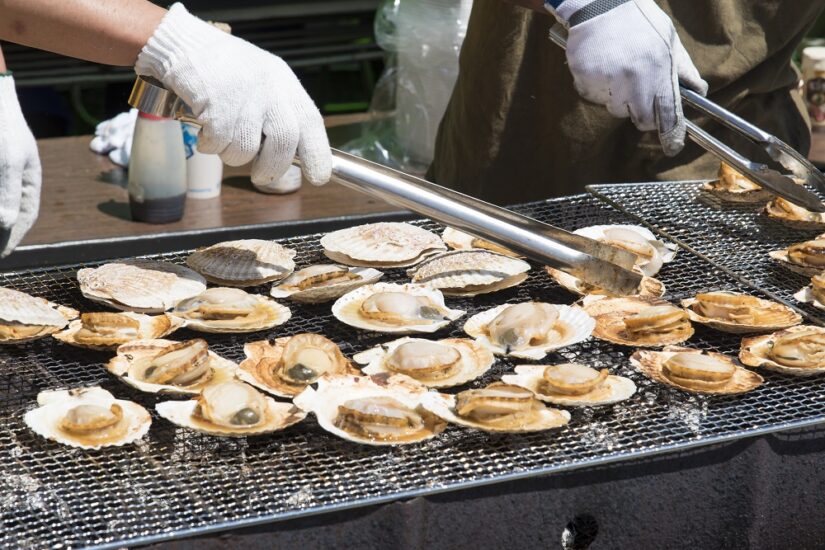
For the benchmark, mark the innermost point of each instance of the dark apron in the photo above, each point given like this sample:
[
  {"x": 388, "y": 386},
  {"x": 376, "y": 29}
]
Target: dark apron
[{"x": 516, "y": 130}]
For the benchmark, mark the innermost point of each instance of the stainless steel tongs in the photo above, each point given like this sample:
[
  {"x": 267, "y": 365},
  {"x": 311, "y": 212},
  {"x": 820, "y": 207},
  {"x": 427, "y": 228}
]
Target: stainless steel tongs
[
  {"x": 759, "y": 173},
  {"x": 591, "y": 261}
]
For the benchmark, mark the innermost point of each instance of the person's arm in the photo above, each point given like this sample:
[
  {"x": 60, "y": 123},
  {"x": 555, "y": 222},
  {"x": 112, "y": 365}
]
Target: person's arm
[
  {"x": 3, "y": 68},
  {"x": 111, "y": 32}
]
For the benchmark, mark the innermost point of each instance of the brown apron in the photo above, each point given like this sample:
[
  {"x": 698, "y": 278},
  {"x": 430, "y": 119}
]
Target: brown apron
[{"x": 516, "y": 130}]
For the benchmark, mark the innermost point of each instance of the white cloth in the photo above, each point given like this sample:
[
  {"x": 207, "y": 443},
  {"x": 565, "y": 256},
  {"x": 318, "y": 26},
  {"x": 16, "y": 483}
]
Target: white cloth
[
  {"x": 113, "y": 137},
  {"x": 20, "y": 176},
  {"x": 249, "y": 102},
  {"x": 631, "y": 60}
]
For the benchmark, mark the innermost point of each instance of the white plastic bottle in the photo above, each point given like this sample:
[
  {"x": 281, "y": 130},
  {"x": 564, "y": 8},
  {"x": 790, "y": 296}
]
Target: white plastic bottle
[
  {"x": 203, "y": 172},
  {"x": 157, "y": 170}
]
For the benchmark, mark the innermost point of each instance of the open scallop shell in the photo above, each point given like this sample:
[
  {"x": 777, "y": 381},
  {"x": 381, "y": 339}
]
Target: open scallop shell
[
  {"x": 272, "y": 350},
  {"x": 333, "y": 391},
  {"x": 324, "y": 292},
  {"x": 753, "y": 352},
  {"x": 265, "y": 315},
  {"x": 383, "y": 244},
  {"x": 45, "y": 420},
  {"x": 650, "y": 363},
  {"x": 806, "y": 296},
  {"x": 735, "y": 187},
  {"x": 469, "y": 272},
  {"x": 573, "y": 326},
  {"x": 24, "y": 318},
  {"x": 119, "y": 365},
  {"x": 346, "y": 308},
  {"x": 246, "y": 262},
  {"x": 279, "y": 416},
  {"x": 151, "y": 327},
  {"x": 648, "y": 287},
  {"x": 781, "y": 257},
  {"x": 458, "y": 240},
  {"x": 612, "y": 390},
  {"x": 476, "y": 360},
  {"x": 610, "y": 313},
  {"x": 443, "y": 405},
  {"x": 142, "y": 286},
  {"x": 794, "y": 216},
  {"x": 784, "y": 317},
  {"x": 665, "y": 252}
]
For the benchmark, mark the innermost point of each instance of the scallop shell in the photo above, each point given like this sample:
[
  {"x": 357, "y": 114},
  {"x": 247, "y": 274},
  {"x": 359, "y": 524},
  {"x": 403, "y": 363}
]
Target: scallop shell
[
  {"x": 45, "y": 420},
  {"x": 333, "y": 391},
  {"x": 791, "y": 318},
  {"x": 151, "y": 327},
  {"x": 142, "y": 286},
  {"x": 326, "y": 293},
  {"x": 574, "y": 325},
  {"x": 279, "y": 417},
  {"x": 745, "y": 196},
  {"x": 610, "y": 313},
  {"x": 384, "y": 244},
  {"x": 275, "y": 315},
  {"x": 806, "y": 296},
  {"x": 753, "y": 353},
  {"x": 667, "y": 251},
  {"x": 781, "y": 256},
  {"x": 469, "y": 272},
  {"x": 246, "y": 262},
  {"x": 346, "y": 308},
  {"x": 458, "y": 240},
  {"x": 270, "y": 349},
  {"x": 443, "y": 406},
  {"x": 223, "y": 369},
  {"x": 18, "y": 308},
  {"x": 814, "y": 221},
  {"x": 476, "y": 360},
  {"x": 650, "y": 363},
  {"x": 614, "y": 389},
  {"x": 649, "y": 286}
]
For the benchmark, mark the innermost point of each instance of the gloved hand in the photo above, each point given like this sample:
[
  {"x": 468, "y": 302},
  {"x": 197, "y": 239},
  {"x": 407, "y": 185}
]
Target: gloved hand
[
  {"x": 19, "y": 171},
  {"x": 249, "y": 102},
  {"x": 626, "y": 55}
]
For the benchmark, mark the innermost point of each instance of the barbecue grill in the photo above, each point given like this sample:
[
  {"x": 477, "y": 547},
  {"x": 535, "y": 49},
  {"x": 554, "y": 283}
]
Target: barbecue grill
[{"x": 178, "y": 483}]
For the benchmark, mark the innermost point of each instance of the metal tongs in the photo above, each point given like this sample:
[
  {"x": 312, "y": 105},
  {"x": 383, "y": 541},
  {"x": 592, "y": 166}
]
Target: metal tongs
[
  {"x": 759, "y": 173},
  {"x": 596, "y": 263}
]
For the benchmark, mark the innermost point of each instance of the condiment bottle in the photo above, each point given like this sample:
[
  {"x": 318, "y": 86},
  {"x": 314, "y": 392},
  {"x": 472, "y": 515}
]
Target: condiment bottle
[
  {"x": 157, "y": 170},
  {"x": 813, "y": 72},
  {"x": 203, "y": 172}
]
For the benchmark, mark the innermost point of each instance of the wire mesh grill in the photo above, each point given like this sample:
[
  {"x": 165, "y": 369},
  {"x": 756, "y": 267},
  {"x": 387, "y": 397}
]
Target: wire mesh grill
[
  {"x": 177, "y": 482},
  {"x": 736, "y": 237}
]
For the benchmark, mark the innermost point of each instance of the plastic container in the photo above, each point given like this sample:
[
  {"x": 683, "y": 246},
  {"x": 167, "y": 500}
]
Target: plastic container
[
  {"x": 204, "y": 173},
  {"x": 813, "y": 73},
  {"x": 157, "y": 170}
]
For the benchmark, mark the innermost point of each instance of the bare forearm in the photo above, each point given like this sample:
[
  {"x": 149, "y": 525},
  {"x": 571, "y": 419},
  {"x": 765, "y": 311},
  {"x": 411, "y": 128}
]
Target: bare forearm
[
  {"x": 104, "y": 31},
  {"x": 3, "y": 67}
]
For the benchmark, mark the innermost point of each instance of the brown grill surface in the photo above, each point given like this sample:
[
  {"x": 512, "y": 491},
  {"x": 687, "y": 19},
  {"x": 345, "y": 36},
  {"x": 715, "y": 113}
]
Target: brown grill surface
[{"x": 177, "y": 483}]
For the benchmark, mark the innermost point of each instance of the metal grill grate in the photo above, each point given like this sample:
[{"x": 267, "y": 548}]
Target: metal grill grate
[
  {"x": 177, "y": 482},
  {"x": 735, "y": 237}
]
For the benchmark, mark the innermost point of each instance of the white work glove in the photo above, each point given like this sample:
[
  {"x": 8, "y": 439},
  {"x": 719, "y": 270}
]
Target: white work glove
[
  {"x": 19, "y": 171},
  {"x": 249, "y": 102},
  {"x": 626, "y": 55},
  {"x": 113, "y": 137}
]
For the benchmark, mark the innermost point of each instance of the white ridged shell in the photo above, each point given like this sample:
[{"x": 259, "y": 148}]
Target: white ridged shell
[
  {"x": 470, "y": 272},
  {"x": 246, "y": 262},
  {"x": 19, "y": 307},
  {"x": 381, "y": 244},
  {"x": 666, "y": 251},
  {"x": 151, "y": 327},
  {"x": 650, "y": 286},
  {"x": 327, "y": 293},
  {"x": 277, "y": 315},
  {"x": 781, "y": 257},
  {"x": 614, "y": 389},
  {"x": 650, "y": 363},
  {"x": 753, "y": 352}
]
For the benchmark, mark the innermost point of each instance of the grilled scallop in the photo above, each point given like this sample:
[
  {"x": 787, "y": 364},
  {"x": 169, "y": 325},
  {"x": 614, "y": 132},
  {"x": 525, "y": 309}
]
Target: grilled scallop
[
  {"x": 436, "y": 364},
  {"x": 88, "y": 418},
  {"x": 141, "y": 286},
  {"x": 384, "y": 244},
  {"x": 695, "y": 371},
  {"x": 649, "y": 286},
  {"x": 529, "y": 330},
  {"x": 458, "y": 240},
  {"x": 731, "y": 186},
  {"x": 231, "y": 409},
  {"x": 806, "y": 258},
  {"x": 638, "y": 321},
  {"x": 24, "y": 318},
  {"x": 739, "y": 313},
  {"x": 247, "y": 262},
  {"x": 393, "y": 308},
  {"x": 164, "y": 366},
  {"x": 107, "y": 330},
  {"x": 285, "y": 366},
  {"x": 794, "y": 216},
  {"x": 650, "y": 252},
  {"x": 813, "y": 293},
  {"x": 323, "y": 282},
  {"x": 798, "y": 351},
  {"x": 469, "y": 272},
  {"x": 572, "y": 384},
  {"x": 232, "y": 310},
  {"x": 373, "y": 410},
  {"x": 497, "y": 408}
]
